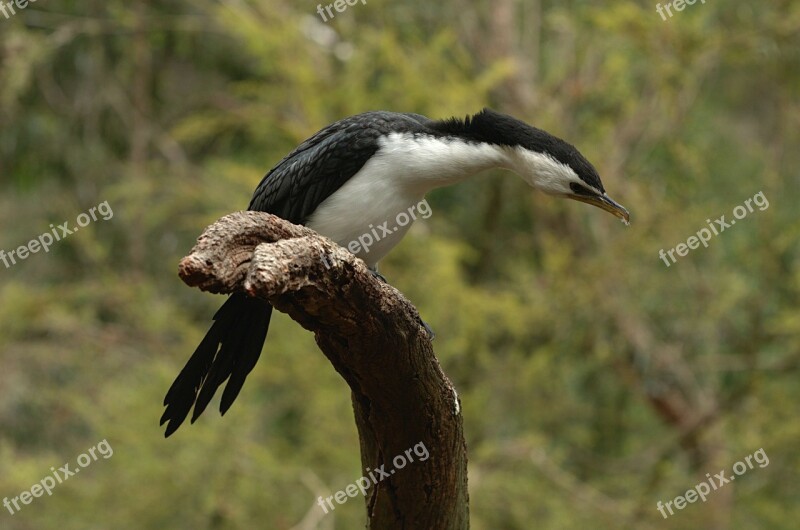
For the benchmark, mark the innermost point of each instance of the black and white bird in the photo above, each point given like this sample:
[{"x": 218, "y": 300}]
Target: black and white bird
[{"x": 362, "y": 171}]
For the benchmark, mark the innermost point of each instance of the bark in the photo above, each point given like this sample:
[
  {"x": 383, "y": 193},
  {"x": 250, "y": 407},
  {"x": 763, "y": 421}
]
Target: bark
[{"x": 373, "y": 338}]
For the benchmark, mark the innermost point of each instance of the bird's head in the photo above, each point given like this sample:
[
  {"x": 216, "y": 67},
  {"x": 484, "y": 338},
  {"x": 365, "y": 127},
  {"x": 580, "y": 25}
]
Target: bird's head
[{"x": 544, "y": 161}]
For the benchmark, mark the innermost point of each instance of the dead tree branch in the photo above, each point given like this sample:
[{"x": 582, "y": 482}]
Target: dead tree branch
[{"x": 372, "y": 336}]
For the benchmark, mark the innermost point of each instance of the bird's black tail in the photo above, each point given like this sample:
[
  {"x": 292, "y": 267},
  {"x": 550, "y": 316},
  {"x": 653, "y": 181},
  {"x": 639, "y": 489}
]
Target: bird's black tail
[{"x": 230, "y": 349}]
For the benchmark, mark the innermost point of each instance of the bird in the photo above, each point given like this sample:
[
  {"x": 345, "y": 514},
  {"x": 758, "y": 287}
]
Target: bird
[{"x": 361, "y": 171}]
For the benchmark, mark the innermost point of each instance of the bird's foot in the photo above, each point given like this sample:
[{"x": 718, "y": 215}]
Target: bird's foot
[
  {"x": 378, "y": 275},
  {"x": 428, "y": 330},
  {"x": 431, "y": 334}
]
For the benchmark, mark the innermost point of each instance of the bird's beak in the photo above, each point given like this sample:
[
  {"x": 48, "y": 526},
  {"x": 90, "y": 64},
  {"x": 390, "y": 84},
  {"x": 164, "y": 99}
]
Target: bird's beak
[{"x": 606, "y": 203}]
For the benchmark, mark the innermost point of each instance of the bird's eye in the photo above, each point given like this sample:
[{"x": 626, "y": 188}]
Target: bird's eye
[{"x": 577, "y": 189}]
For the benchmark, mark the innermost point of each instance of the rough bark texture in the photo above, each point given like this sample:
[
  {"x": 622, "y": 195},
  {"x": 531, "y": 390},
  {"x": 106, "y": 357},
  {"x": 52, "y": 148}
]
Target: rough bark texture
[{"x": 373, "y": 337}]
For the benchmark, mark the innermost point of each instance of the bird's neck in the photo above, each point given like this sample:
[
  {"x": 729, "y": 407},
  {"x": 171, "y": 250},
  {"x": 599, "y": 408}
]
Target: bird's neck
[{"x": 423, "y": 163}]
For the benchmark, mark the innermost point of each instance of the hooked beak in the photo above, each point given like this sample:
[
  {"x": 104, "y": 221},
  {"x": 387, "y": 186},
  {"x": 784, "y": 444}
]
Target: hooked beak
[{"x": 606, "y": 203}]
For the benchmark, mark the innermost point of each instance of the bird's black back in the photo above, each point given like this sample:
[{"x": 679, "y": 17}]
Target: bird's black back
[{"x": 319, "y": 166}]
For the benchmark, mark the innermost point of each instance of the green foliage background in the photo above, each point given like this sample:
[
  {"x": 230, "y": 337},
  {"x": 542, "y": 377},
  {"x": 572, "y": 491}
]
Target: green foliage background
[{"x": 595, "y": 381}]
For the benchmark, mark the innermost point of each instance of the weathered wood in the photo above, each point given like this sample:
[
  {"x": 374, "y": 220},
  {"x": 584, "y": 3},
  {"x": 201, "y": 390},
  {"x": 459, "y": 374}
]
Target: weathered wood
[{"x": 373, "y": 337}]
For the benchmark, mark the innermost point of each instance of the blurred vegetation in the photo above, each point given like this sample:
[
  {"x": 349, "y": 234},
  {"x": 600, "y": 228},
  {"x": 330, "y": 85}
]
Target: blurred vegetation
[{"x": 595, "y": 381}]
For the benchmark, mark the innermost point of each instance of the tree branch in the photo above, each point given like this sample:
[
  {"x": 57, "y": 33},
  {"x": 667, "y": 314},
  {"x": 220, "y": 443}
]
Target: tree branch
[{"x": 373, "y": 337}]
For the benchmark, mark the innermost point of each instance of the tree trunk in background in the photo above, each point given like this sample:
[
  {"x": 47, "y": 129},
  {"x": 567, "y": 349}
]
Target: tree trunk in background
[
  {"x": 140, "y": 112},
  {"x": 516, "y": 95}
]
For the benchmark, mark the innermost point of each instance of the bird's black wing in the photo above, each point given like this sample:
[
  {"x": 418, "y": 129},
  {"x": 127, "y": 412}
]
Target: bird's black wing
[
  {"x": 318, "y": 167},
  {"x": 293, "y": 189}
]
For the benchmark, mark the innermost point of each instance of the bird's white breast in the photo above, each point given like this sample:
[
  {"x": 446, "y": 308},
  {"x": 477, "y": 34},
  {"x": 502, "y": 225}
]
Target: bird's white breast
[{"x": 392, "y": 182}]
